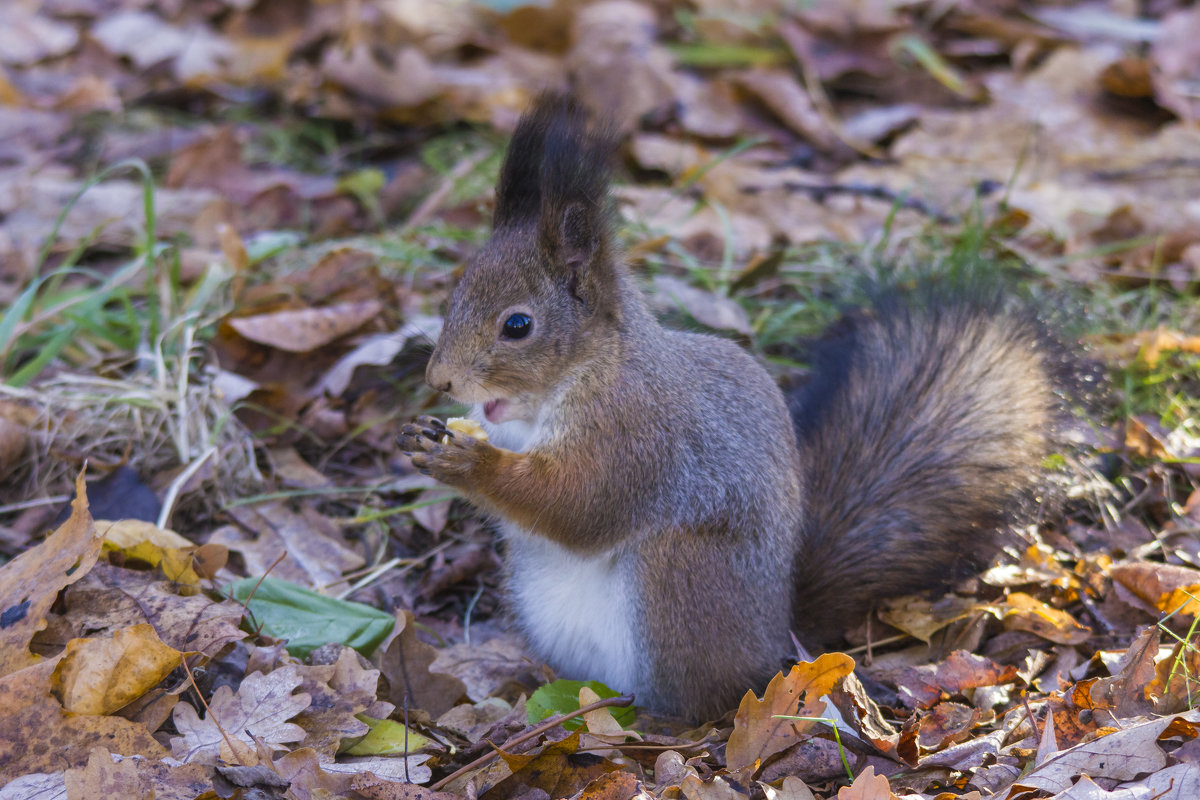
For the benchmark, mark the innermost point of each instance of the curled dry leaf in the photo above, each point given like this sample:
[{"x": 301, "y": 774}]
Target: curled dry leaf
[
  {"x": 103, "y": 674},
  {"x": 30, "y": 583}
]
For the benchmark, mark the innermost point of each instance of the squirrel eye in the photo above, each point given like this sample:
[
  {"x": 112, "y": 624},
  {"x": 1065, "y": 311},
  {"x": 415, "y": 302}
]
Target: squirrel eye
[{"x": 517, "y": 326}]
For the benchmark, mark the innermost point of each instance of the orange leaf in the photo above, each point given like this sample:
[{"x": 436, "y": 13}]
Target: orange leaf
[{"x": 757, "y": 734}]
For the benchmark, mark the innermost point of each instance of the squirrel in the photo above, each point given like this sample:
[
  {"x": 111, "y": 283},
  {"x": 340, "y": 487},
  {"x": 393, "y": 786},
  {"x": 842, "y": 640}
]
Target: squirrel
[{"x": 669, "y": 518}]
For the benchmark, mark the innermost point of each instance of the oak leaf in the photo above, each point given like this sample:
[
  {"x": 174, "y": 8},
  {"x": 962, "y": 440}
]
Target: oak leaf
[
  {"x": 258, "y": 710},
  {"x": 867, "y": 786},
  {"x": 758, "y": 735}
]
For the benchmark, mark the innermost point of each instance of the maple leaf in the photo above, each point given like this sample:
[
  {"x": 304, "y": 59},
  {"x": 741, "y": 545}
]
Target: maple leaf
[
  {"x": 258, "y": 710},
  {"x": 757, "y": 734}
]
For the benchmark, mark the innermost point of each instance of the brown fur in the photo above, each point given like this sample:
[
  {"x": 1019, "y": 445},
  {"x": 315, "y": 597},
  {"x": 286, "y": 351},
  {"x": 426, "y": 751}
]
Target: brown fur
[{"x": 671, "y": 458}]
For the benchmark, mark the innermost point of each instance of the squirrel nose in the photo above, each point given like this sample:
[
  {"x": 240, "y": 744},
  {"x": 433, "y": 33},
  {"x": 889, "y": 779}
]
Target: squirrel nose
[{"x": 435, "y": 376}]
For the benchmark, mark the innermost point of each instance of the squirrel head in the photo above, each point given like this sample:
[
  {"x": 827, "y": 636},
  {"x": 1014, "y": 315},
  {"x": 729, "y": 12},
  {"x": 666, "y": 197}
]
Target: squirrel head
[{"x": 544, "y": 292}]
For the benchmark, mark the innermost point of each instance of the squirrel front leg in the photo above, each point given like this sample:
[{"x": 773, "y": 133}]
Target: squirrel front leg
[{"x": 534, "y": 490}]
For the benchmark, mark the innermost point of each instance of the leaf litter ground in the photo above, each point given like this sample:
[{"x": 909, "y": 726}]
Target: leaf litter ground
[{"x": 226, "y": 230}]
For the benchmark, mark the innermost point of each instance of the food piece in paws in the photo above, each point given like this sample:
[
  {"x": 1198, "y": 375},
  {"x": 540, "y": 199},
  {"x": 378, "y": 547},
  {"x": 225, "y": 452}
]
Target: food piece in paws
[{"x": 466, "y": 426}]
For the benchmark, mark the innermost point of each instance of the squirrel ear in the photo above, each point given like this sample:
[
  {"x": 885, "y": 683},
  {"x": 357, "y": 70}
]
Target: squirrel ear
[{"x": 576, "y": 247}]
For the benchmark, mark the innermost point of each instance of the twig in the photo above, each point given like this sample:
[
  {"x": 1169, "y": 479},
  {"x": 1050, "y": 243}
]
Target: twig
[
  {"x": 208, "y": 711},
  {"x": 620, "y": 701},
  {"x": 430, "y": 205},
  {"x": 819, "y": 191}
]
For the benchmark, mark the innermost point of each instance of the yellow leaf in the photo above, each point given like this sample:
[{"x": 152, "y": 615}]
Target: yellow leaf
[
  {"x": 386, "y": 738},
  {"x": 757, "y": 733},
  {"x": 127, "y": 533},
  {"x": 101, "y": 675}
]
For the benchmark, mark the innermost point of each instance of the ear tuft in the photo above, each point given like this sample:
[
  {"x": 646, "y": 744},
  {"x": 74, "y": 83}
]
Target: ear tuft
[{"x": 555, "y": 174}]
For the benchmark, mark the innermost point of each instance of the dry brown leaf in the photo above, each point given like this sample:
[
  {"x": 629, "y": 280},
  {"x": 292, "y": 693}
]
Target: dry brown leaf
[
  {"x": 716, "y": 787},
  {"x": 258, "y": 711},
  {"x": 102, "y": 674},
  {"x": 315, "y": 553},
  {"x": 406, "y": 662},
  {"x": 619, "y": 69},
  {"x": 111, "y": 598},
  {"x": 1126, "y": 693},
  {"x": 757, "y": 734},
  {"x": 339, "y": 692},
  {"x": 945, "y": 724},
  {"x": 38, "y": 736},
  {"x": 792, "y": 789},
  {"x": 707, "y": 308},
  {"x": 924, "y": 685},
  {"x": 917, "y": 616},
  {"x": 789, "y": 101},
  {"x": 30, "y": 583},
  {"x": 128, "y": 778},
  {"x": 304, "y": 330},
  {"x": 1122, "y": 755},
  {"x": 312, "y": 776},
  {"x": 867, "y": 786},
  {"x": 27, "y": 37},
  {"x": 553, "y": 770},
  {"x": 1150, "y": 586}
]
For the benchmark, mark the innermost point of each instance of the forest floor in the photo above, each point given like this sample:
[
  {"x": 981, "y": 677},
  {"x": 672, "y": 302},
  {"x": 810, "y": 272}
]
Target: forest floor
[{"x": 227, "y": 233}]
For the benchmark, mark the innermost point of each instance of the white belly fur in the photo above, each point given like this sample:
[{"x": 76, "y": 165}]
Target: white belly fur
[{"x": 575, "y": 610}]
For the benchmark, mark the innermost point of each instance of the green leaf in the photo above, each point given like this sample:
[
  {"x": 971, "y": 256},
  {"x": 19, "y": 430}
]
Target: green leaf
[
  {"x": 308, "y": 620},
  {"x": 386, "y": 738},
  {"x": 562, "y": 697}
]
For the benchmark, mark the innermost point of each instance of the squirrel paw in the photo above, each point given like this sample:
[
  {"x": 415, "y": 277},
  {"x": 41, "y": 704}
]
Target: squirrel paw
[{"x": 438, "y": 452}]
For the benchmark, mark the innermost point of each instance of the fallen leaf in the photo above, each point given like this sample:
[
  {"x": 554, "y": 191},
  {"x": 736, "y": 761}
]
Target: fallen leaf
[
  {"x": 30, "y": 583},
  {"x": 557, "y": 770},
  {"x": 27, "y": 37},
  {"x": 234, "y": 721},
  {"x": 102, "y": 674},
  {"x": 407, "y": 662},
  {"x": 127, "y": 777},
  {"x": 314, "y": 551},
  {"x": 867, "y": 786},
  {"x": 718, "y": 313},
  {"x": 758, "y": 735},
  {"x": 1021, "y": 612},
  {"x": 1122, "y": 755},
  {"x": 306, "y": 329},
  {"x": 111, "y": 598},
  {"x": 39, "y": 736}
]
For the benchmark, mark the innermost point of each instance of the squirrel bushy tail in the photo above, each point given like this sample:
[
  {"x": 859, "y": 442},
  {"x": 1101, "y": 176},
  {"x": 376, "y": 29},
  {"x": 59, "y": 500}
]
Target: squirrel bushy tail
[{"x": 923, "y": 433}]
